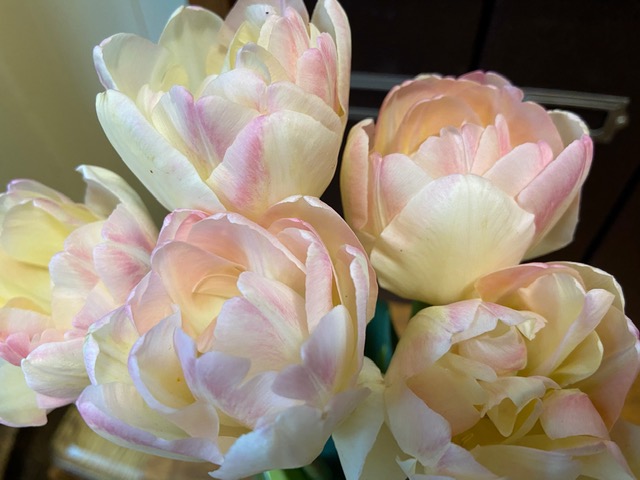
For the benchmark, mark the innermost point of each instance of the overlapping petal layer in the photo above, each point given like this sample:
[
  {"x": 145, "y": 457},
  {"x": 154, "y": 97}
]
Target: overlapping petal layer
[
  {"x": 527, "y": 381},
  {"x": 244, "y": 344},
  {"x": 63, "y": 266},
  {"x": 233, "y": 115},
  {"x": 459, "y": 178}
]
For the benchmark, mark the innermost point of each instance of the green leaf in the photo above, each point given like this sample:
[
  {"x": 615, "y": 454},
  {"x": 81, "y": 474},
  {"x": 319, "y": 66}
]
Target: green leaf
[{"x": 381, "y": 339}]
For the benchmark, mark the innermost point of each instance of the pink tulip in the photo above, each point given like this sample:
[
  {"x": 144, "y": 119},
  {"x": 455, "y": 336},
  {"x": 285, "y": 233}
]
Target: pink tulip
[
  {"x": 243, "y": 346},
  {"x": 230, "y": 116},
  {"x": 459, "y": 178},
  {"x": 626, "y": 431},
  {"x": 526, "y": 381},
  {"x": 63, "y": 266}
]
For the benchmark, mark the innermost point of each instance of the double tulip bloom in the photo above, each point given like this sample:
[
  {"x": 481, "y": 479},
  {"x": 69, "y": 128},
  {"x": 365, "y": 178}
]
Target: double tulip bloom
[
  {"x": 243, "y": 346},
  {"x": 526, "y": 381},
  {"x": 234, "y": 115},
  {"x": 63, "y": 265},
  {"x": 459, "y": 178}
]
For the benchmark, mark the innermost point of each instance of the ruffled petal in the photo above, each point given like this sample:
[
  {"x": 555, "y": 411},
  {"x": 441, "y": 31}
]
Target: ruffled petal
[
  {"x": 57, "y": 370},
  {"x": 167, "y": 173},
  {"x": 18, "y": 405},
  {"x": 459, "y": 226}
]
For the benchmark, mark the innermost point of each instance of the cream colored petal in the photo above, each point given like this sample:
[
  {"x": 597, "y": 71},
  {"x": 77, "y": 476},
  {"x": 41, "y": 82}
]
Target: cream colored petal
[
  {"x": 452, "y": 232},
  {"x": 106, "y": 351},
  {"x": 426, "y": 118},
  {"x": 162, "y": 169},
  {"x": 354, "y": 179},
  {"x": 568, "y": 413},
  {"x": 593, "y": 277},
  {"x": 570, "y": 126},
  {"x": 610, "y": 384},
  {"x": 106, "y": 189},
  {"x": 419, "y": 431},
  {"x": 328, "y": 16},
  {"x": 627, "y": 437},
  {"x": 115, "y": 55},
  {"x": 511, "y": 461},
  {"x": 356, "y": 436},
  {"x": 191, "y": 35},
  {"x": 275, "y": 156},
  {"x": 56, "y": 369},
  {"x": 32, "y": 235},
  {"x": 18, "y": 407}
]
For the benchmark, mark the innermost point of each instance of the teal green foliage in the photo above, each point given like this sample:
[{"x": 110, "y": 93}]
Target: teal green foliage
[{"x": 381, "y": 339}]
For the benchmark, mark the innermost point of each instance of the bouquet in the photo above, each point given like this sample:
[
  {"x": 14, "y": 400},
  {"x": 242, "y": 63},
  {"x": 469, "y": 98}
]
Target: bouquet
[{"x": 235, "y": 334}]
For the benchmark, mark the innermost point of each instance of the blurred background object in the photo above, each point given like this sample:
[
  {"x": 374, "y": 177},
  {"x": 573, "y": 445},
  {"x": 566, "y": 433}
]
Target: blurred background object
[{"x": 48, "y": 86}]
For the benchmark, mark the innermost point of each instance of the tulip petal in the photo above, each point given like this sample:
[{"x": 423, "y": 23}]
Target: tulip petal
[
  {"x": 356, "y": 435},
  {"x": 222, "y": 380},
  {"x": 419, "y": 431},
  {"x": 22, "y": 280},
  {"x": 324, "y": 364},
  {"x": 20, "y": 326},
  {"x": 197, "y": 281},
  {"x": 288, "y": 40},
  {"x": 294, "y": 439},
  {"x": 436, "y": 232},
  {"x": 266, "y": 326},
  {"x": 107, "y": 347},
  {"x": 248, "y": 246},
  {"x": 453, "y": 151},
  {"x": 273, "y": 158},
  {"x": 569, "y": 413},
  {"x": 32, "y": 235},
  {"x": 354, "y": 183},
  {"x": 18, "y": 406},
  {"x": 513, "y": 172},
  {"x": 120, "y": 268},
  {"x": 57, "y": 370},
  {"x": 156, "y": 370},
  {"x": 167, "y": 173},
  {"x": 571, "y": 323},
  {"x": 106, "y": 190},
  {"x": 511, "y": 461},
  {"x": 313, "y": 74},
  {"x": 354, "y": 275},
  {"x": 239, "y": 13},
  {"x": 627, "y": 436},
  {"x": 593, "y": 277},
  {"x": 395, "y": 179},
  {"x": 191, "y": 36},
  {"x": 283, "y": 96},
  {"x": 261, "y": 62},
  {"x": 609, "y": 385},
  {"x": 570, "y": 126},
  {"x": 202, "y": 129},
  {"x": 330, "y": 17},
  {"x": 114, "y": 56},
  {"x": 552, "y": 192},
  {"x": 117, "y": 412},
  {"x": 426, "y": 118}
]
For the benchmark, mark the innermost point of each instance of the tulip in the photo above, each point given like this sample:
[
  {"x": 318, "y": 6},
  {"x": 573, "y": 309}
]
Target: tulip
[
  {"x": 233, "y": 115},
  {"x": 243, "y": 346},
  {"x": 526, "y": 381},
  {"x": 626, "y": 431},
  {"x": 459, "y": 178},
  {"x": 63, "y": 266}
]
